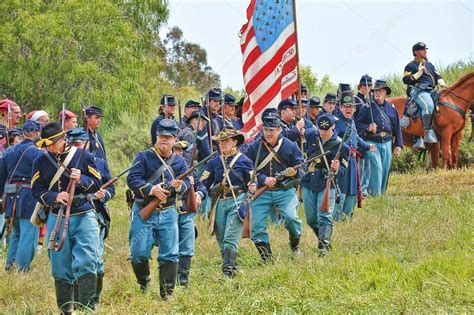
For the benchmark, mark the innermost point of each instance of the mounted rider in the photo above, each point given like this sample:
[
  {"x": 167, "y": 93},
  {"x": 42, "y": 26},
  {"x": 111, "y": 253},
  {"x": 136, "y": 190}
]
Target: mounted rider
[{"x": 421, "y": 78}]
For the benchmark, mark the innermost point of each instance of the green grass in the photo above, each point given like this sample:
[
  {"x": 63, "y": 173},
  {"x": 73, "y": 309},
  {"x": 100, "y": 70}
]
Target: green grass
[{"x": 411, "y": 251}]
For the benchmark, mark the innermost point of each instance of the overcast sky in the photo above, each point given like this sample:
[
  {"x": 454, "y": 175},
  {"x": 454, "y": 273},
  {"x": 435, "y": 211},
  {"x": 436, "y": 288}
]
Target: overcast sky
[{"x": 343, "y": 39}]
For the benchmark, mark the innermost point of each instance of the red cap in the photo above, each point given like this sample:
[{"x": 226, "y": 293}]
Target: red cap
[
  {"x": 4, "y": 105},
  {"x": 30, "y": 114},
  {"x": 67, "y": 114}
]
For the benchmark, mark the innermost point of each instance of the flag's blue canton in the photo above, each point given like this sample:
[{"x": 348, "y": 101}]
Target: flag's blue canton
[{"x": 270, "y": 18}]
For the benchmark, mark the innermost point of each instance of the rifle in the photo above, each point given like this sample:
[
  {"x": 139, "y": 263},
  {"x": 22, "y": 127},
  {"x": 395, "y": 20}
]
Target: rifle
[
  {"x": 9, "y": 123},
  {"x": 62, "y": 116},
  {"x": 179, "y": 112},
  {"x": 370, "y": 100},
  {"x": 281, "y": 175},
  {"x": 191, "y": 204},
  {"x": 331, "y": 175},
  {"x": 209, "y": 125},
  {"x": 114, "y": 179},
  {"x": 246, "y": 230},
  {"x": 146, "y": 211}
]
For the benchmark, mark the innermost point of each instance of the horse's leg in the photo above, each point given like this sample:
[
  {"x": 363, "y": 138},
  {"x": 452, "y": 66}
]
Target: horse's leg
[
  {"x": 456, "y": 141},
  {"x": 445, "y": 147},
  {"x": 433, "y": 148}
]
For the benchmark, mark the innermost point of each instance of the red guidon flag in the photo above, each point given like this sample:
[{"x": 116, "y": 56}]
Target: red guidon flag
[{"x": 268, "y": 44}]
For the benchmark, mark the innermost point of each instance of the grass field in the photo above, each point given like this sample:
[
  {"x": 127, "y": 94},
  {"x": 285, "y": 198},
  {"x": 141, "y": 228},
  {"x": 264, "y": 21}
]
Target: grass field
[{"x": 411, "y": 251}]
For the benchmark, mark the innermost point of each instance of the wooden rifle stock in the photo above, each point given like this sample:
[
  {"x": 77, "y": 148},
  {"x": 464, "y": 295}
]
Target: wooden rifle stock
[
  {"x": 326, "y": 196},
  {"x": 146, "y": 211},
  {"x": 191, "y": 203}
]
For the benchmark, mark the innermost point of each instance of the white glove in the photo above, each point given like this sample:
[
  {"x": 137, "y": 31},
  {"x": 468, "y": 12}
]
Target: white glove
[
  {"x": 419, "y": 73},
  {"x": 442, "y": 84}
]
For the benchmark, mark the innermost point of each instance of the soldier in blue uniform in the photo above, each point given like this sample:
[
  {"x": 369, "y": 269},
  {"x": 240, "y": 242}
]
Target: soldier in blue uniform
[
  {"x": 363, "y": 99},
  {"x": 314, "y": 181},
  {"x": 313, "y": 110},
  {"x": 94, "y": 118},
  {"x": 226, "y": 179},
  {"x": 349, "y": 180},
  {"x": 187, "y": 229},
  {"x": 190, "y": 107},
  {"x": 210, "y": 110},
  {"x": 289, "y": 127},
  {"x": 329, "y": 104},
  {"x": 228, "y": 113},
  {"x": 195, "y": 135},
  {"x": 380, "y": 132},
  {"x": 15, "y": 182},
  {"x": 238, "y": 113},
  {"x": 159, "y": 166},
  {"x": 278, "y": 154},
  {"x": 77, "y": 260},
  {"x": 168, "y": 104},
  {"x": 421, "y": 78},
  {"x": 77, "y": 137}
]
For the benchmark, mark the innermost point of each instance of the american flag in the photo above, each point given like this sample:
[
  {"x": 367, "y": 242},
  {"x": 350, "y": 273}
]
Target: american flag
[{"x": 268, "y": 44}]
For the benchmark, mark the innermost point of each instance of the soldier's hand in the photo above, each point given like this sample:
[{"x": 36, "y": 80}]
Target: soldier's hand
[
  {"x": 300, "y": 123},
  {"x": 442, "y": 84},
  {"x": 176, "y": 183},
  {"x": 373, "y": 148},
  {"x": 100, "y": 194},
  {"x": 75, "y": 174},
  {"x": 289, "y": 172},
  {"x": 198, "y": 198},
  {"x": 421, "y": 67},
  {"x": 252, "y": 187},
  {"x": 372, "y": 127},
  {"x": 397, "y": 151},
  {"x": 270, "y": 181},
  {"x": 62, "y": 197},
  {"x": 335, "y": 165},
  {"x": 159, "y": 192}
]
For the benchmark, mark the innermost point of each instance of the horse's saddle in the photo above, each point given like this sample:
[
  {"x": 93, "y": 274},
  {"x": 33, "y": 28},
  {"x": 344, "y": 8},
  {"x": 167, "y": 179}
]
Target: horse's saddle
[{"x": 412, "y": 110}]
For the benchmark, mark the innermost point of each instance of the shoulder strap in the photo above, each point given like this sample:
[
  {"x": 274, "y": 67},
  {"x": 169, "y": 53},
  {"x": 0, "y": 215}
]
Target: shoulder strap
[
  {"x": 62, "y": 167},
  {"x": 18, "y": 163},
  {"x": 164, "y": 166},
  {"x": 272, "y": 153},
  {"x": 384, "y": 115}
]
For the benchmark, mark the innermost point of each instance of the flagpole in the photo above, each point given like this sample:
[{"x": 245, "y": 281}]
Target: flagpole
[{"x": 300, "y": 106}]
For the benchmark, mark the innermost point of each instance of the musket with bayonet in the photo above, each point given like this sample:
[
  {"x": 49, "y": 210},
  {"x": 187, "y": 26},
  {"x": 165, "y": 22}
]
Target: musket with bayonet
[
  {"x": 146, "y": 211},
  {"x": 247, "y": 230},
  {"x": 63, "y": 118},
  {"x": 282, "y": 175},
  {"x": 331, "y": 175}
]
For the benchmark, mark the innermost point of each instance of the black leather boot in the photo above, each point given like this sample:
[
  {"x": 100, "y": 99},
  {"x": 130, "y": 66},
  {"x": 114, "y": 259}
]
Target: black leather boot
[
  {"x": 295, "y": 244},
  {"x": 265, "y": 251},
  {"x": 430, "y": 135},
  {"x": 100, "y": 279},
  {"x": 184, "y": 266},
  {"x": 142, "y": 272},
  {"x": 64, "y": 296},
  {"x": 325, "y": 235},
  {"x": 168, "y": 272},
  {"x": 87, "y": 290},
  {"x": 228, "y": 263}
]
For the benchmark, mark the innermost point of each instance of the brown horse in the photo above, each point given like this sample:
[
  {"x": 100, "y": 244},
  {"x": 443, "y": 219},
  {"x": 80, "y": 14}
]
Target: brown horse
[{"x": 449, "y": 120}]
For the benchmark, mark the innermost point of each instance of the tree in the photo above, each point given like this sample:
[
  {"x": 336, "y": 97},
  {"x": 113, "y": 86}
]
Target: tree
[
  {"x": 187, "y": 63},
  {"x": 79, "y": 52}
]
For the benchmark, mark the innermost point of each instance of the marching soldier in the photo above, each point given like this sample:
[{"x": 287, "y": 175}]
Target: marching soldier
[
  {"x": 70, "y": 120},
  {"x": 226, "y": 179},
  {"x": 77, "y": 260},
  {"x": 78, "y": 137},
  {"x": 421, "y": 78},
  {"x": 15, "y": 183},
  {"x": 363, "y": 98},
  {"x": 158, "y": 169},
  {"x": 278, "y": 154},
  {"x": 228, "y": 113},
  {"x": 96, "y": 144},
  {"x": 349, "y": 181},
  {"x": 210, "y": 110},
  {"x": 40, "y": 116},
  {"x": 10, "y": 114},
  {"x": 187, "y": 229},
  {"x": 190, "y": 107},
  {"x": 319, "y": 172},
  {"x": 380, "y": 132},
  {"x": 287, "y": 112},
  {"x": 313, "y": 110},
  {"x": 168, "y": 105},
  {"x": 15, "y": 136},
  {"x": 329, "y": 103},
  {"x": 196, "y": 135}
]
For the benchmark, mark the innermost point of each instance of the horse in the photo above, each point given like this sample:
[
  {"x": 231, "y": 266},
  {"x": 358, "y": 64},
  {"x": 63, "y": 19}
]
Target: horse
[{"x": 450, "y": 119}]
